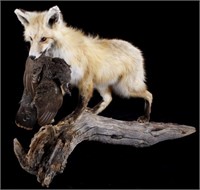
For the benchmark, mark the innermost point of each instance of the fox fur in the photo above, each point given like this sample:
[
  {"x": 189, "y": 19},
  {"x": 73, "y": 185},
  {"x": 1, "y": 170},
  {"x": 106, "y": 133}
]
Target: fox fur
[{"x": 107, "y": 65}]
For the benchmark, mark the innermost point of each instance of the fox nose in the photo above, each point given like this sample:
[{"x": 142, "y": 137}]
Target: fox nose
[{"x": 32, "y": 57}]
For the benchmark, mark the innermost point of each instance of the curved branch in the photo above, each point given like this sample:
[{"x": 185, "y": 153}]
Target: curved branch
[{"x": 52, "y": 145}]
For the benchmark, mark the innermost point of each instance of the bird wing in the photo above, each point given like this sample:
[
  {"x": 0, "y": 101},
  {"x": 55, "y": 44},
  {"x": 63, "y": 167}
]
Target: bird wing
[
  {"x": 27, "y": 79},
  {"x": 32, "y": 75},
  {"x": 62, "y": 73},
  {"x": 26, "y": 114},
  {"x": 48, "y": 100}
]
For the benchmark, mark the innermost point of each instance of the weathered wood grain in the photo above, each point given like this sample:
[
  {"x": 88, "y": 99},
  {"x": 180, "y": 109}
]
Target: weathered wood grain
[{"x": 52, "y": 145}]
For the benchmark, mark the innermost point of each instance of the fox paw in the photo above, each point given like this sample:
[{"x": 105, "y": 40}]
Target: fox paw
[
  {"x": 143, "y": 119},
  {"x": 89, "y": 109}
]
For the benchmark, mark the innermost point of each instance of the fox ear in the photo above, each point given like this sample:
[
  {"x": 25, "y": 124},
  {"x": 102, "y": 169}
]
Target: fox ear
[
  {"x": 54, "y": 16},
  {"x": 23, "y": 16}
]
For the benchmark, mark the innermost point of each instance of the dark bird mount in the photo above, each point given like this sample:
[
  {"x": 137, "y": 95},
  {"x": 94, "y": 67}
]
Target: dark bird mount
[{"x": 46, "y": 80}]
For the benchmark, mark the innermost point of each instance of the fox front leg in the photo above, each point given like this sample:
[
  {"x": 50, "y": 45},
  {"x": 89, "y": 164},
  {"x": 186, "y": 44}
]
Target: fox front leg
[
  {"x": 105, "y": 93},
  {"x": 85, "y": 94}
]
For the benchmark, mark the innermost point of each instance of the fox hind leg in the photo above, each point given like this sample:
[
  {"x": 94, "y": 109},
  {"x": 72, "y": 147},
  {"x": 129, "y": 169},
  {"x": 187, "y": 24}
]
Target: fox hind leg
[
  {"x": 148, "y": 101},
  {"x": 106, "y": 95}
]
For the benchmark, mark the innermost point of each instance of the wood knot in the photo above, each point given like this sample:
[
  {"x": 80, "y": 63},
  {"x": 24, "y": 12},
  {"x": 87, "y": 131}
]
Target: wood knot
[{"x": 116, "y": 136}]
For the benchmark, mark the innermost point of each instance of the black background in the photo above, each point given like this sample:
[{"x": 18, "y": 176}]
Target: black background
[{"x": 168, "y": 35}]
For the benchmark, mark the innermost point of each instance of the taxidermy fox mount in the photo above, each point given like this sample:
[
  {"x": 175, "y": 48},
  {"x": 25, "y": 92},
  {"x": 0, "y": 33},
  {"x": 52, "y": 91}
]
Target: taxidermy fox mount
[{"x": 107, "y": 65}]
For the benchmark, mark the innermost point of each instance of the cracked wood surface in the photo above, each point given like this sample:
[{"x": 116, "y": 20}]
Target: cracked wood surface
[{"x": 51, "y": 145}]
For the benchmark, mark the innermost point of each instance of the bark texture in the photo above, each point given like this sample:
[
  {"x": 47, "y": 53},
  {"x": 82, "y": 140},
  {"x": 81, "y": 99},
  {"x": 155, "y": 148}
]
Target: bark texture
[{"x": 51, "y": 145}]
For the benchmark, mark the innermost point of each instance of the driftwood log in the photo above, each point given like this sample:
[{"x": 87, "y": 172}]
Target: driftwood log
[{"x": 52, "y": 145}]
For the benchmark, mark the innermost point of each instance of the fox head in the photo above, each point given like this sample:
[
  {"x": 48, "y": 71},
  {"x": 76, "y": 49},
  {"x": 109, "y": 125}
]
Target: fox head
[{"x": 40, "y": 29}]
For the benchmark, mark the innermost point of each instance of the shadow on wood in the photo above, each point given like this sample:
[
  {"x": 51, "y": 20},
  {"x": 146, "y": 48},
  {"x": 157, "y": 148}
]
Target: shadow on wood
[{"x": 52, "y": 145}]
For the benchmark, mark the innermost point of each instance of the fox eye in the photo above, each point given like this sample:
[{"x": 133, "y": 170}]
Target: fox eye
[
  {"x": 31, "y": 39},
  {"x": 43, "y": 39}
]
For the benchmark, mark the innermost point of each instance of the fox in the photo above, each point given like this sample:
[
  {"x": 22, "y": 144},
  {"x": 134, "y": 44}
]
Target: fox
[{"x": 107, "y": 65}]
